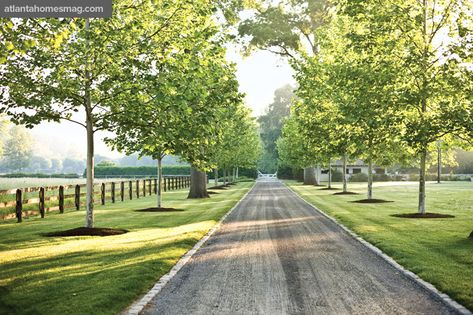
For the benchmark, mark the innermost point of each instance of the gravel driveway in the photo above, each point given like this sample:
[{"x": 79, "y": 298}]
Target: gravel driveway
[{"x": 277, "y": 255}]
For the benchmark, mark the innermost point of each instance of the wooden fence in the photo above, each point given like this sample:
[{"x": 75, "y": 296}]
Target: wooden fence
[{"x": 40, "y": 200}]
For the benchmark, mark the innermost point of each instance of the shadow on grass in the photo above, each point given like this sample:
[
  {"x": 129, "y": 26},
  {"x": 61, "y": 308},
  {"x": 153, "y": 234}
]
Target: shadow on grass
[
  {"x": 83, "y": 231},
  {"x": 428, "y": 215},
  {"x": 159, "y": 210},
  {"x": 121, "y": 274},
  {"x": 368, "y": 201},
  {"x": 346, "y": 193}
]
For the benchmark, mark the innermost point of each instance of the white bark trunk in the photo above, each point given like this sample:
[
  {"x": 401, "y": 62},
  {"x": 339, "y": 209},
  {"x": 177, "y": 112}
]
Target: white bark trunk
[
  {"x": 344, "y": 175},
  {"x": 370, "y": 179},
  {"x": 439, "y": 163},
  {"x": 317, "y": 175},
  {"x": 216, "y": 176},
  {"x": 89, "y": 217},
  {"x": 160, "y": 180},
  {"x": 330, "y": 173},
  {"x": 237, "y": 172},
  {"x": 423, "y": 157}
]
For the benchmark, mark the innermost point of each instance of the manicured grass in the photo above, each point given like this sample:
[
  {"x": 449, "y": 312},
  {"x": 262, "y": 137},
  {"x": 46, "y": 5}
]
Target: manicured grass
[
  {"x": 438, "y": 250},
  {"x": 101, "y": 275}
]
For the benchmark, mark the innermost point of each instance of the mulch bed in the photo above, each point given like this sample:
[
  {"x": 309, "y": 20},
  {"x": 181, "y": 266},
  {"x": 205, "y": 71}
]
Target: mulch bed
[
  {"x": 156, "y": 209},
  {"x": 212, "y": 192},
  {"x": 423, "y": 216},
  {"x": 372, "y": 201},
  {"x": 346, "y": 193},
  {"x": 326, "y": 188},
  {"x": 471, "y": 235},
  {"x": 217, "y": 188},
  {"x": 83, "y": 231}
]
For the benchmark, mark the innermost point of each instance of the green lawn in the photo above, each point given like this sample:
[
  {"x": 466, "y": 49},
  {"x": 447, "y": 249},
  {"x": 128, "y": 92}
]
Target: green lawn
[
  {"x": 438, "y": 250},
  {"x": 101, "y": 275}
]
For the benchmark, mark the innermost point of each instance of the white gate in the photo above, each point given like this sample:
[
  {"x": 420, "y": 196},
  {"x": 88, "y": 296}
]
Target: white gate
[{"x": 267, "y": 177}]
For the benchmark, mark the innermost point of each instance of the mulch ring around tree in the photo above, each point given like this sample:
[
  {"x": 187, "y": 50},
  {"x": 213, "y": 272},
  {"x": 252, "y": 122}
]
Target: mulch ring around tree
[
  {"x": 83, "y": 231},
  {"x": 217, "y": 188},
  {"x": 427, "y": 215},
  {"x": 156, "y": 209},
  {"x": 471, "y": 235},
  {"x": 212, "y": 192},
  {"x": 372, "y": 201},
  {"x": 326, "y": 188},
  {"x": 346, "y": 193}
]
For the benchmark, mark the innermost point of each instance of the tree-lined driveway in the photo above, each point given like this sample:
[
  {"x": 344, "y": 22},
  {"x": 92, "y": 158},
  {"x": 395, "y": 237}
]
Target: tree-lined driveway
[{"x": 275, "y": 254}]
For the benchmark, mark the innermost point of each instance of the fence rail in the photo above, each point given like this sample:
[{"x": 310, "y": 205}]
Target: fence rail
[{"x": 40, "y": 200}]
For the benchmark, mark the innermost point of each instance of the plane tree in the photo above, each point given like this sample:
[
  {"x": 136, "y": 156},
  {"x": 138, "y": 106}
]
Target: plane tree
[{"x": 77, "y": 69}]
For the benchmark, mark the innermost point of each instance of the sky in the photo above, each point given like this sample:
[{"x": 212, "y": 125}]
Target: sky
[{"x": 259, "y": 76}]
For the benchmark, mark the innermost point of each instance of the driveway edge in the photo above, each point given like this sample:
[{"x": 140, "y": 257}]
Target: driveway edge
[
  {"x": 426, "y": 285},
  {"x": 140, "y": 304}
]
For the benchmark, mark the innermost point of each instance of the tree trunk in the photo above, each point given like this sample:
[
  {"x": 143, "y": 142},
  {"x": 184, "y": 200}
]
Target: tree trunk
[
  {"x": 160, "y": 179},
  {"x": 224, "y": 176},
  {"x": 89, "y": 217},
  {"x": 344, "y": 171},
  {"x": 439, "y": 162},
  {"x": 198, "y": 187},
  {"x": 330, "y": 173},
  {"x": 317, "y": 175},
  {"x": 216, "y": 176},
  {"x": 309, "y": 176},
  {"x": 370, "y": 179},
  {"x": 423, "y": 157},
  {"x": 237, "y": 173},
  {"x": 233, "y": 174}
]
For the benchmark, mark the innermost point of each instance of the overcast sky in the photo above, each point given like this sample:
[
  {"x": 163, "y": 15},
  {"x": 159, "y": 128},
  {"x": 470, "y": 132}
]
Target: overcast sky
[{"x": 259, "y": 76}]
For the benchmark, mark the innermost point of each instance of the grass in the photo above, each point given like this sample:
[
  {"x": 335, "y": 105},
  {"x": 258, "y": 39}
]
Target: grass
[
  {"x": 101, "y": 275},
  {"x": 438, "y": 250}
]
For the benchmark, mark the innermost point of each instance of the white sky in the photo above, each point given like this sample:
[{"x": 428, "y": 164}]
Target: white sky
[{"x": 259, "y": 76}]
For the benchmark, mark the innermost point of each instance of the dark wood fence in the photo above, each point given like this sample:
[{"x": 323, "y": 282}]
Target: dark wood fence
[{"x": 24, "y": 202}]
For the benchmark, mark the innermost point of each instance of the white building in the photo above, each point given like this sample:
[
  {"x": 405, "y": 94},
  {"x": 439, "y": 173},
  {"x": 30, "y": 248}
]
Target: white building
[{"x": 352, "y": 168}]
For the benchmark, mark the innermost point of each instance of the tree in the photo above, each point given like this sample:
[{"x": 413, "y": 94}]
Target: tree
[
  {"x": 271, "y": 125},
  {"x": 17, "y": 149},
  {"x": 419, "y": 48},
  {"x": 66, "y": 66}
]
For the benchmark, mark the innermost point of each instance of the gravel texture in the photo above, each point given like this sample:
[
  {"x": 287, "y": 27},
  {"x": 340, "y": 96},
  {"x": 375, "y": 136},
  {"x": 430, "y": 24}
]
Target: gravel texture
[{"x": 275, "y": 254}]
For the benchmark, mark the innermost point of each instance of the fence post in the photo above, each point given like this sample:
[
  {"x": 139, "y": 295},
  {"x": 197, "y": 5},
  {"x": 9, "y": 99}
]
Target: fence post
[
  {"x": 103, "y": 194},
  {"x": 61, "y": 199},
  {"x": 113, "y": 192},
  {"x": 144, "y": 187},
  {"x": 19, "y": 206},
  {"x": 41, "y": 202},
  {"x": 150, "y": 186},
  {"x": 122, "y": 190},
  {"x": 156, "y": 186},
  {"x": 137, "y": 189},
  {"x": 130, "y": 189},
  {"x": 169, "y": 183},
  {"x": 175, "y": 183},
  {"x": 77, "y": 197}
]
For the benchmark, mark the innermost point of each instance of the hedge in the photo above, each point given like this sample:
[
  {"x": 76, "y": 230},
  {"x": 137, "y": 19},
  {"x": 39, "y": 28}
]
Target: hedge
[
  {"x": 39, "y": 175},
  {"x": 140, "y": 170}
]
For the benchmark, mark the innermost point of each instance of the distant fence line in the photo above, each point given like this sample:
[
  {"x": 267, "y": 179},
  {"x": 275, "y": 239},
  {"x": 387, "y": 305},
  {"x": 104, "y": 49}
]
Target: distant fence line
[{"x": 59, "y": 198}]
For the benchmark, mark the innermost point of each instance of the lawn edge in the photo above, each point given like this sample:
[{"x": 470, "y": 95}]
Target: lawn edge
[
  {"x": 136, "y": 307},
  {"x": 424, "y": 284}
]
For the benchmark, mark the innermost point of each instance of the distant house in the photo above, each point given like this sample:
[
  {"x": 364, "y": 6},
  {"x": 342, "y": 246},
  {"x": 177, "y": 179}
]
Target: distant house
[{"x": 357, "y": 167}]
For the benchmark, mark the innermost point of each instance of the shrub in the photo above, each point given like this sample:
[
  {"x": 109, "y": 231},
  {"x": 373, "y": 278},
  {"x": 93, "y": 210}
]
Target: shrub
[
  {"x": 140, "y": 170},
  {"x": 382, "y": 178},
  {"x": 360, "y": 177},
  {"x": 336, "y": 176}
]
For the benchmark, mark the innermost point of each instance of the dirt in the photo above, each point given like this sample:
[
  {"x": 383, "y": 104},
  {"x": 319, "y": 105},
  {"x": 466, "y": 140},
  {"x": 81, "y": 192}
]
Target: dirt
[
  {"x": 155, "y": 209},
  {"x": 275, "y": 254},
  {"x": 471, "y": 235},
  {"x": 217, "y": 188},
  {"x": 83, "y": 231},
  {"x": 427, "y": 215},
  {"x": 212, "y": 192},
  {"x": 346, "y": 193},
  {"x": 372, "y": 201},
  {"x": 329, "y": 188}
]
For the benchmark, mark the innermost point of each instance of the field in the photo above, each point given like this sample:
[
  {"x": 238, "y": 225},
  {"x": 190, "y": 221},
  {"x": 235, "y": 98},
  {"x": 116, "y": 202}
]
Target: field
[
  {"x": 438, "y": 250},
  {"x": 101, "y": 275}
]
